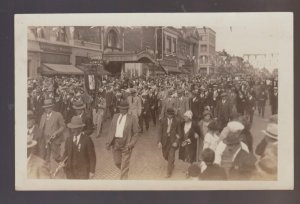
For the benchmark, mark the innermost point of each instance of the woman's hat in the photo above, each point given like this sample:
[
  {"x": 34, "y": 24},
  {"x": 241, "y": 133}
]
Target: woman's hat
[
  {"x": 235, "y": 129},
  {"x": 123, "y": 105},
  {"x": 271, "y": 131},
  {"x": 76, "y": 122},
  {"x": 188, "y": 114},
  {"x": 48, "y": 103}
]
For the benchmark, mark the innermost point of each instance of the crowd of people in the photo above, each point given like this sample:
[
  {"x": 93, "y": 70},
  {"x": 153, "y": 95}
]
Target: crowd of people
[{"x": 208, "y": 119}]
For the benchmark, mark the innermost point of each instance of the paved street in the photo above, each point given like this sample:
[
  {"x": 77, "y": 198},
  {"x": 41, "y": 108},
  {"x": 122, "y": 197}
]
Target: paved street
[{"x": 147, "y": 161}]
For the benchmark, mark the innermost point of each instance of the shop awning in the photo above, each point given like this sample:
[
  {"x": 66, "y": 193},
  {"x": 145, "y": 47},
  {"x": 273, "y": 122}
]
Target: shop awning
[
  {"x": 60, "y": 69},
  {"x": 170, "y": 69}
]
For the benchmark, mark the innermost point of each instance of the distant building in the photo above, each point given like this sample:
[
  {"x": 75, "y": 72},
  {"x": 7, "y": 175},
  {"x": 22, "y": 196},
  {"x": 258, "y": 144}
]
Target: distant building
[{"x": 207, "y": 50}]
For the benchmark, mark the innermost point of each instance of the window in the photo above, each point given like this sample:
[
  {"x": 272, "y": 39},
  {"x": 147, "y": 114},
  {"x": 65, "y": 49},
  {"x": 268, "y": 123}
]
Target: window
[
  {"x": 203, "y": 59},
  {"x": 203, "y": 37},
  {"x": 168, "y": 44},
  {"x": 203, "y": 48},
  {"x": 112, "y": 39},
  {"x": 174, "y": 45}
]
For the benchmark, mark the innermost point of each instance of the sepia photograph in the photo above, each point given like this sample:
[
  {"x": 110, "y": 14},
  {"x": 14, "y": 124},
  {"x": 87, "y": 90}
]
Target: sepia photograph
[{"x": 138, "y": 101}]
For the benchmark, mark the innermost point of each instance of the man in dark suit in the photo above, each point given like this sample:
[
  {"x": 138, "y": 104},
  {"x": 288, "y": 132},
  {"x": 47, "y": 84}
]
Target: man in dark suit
[
  {"x": 79, "y": 108},
  {"x": 250, "y": 107},
  {"x": 153, "y": 100},
  {"x": 223, "y": 111},
  {"x": 169, "y": 137},
  {"x": 122, "y": 137},
  {"x": 38, "y": 101},
  {"x": 274, "y": 100},
  {"x": 195, "y": 106},
  {"x": 79, "y": 152},
  {"x": 145, "y": 115}
]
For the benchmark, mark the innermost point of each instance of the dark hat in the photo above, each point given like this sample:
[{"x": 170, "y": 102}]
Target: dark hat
[
  {"x": 213, "y": 125},
  {"x": 170, "y": 111},
  {"x": 48, "y": 103},
  {"x": 78, "y": 104},
  {"x": 76, "y": 122},
  {"x": 207, "y": 112},
  {"x": 194, "y": 170},
  {"x": 132, "y": 90},
  {"x": 123, "y": 105},
  {"x": 30, "y": 115}
]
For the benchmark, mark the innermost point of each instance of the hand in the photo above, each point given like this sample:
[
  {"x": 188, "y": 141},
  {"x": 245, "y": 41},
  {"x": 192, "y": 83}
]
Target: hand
[
  {"x": 174, "y": 144},
  {"x": 177, "y": 136},
  {"x": 196, "y": 136},
  {"x": 91, "y": 175},
  {"x": 159, "y": 145}
]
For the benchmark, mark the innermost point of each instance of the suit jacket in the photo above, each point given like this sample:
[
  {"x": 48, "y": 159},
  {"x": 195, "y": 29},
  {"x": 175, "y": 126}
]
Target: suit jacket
[
  {"x": 37, "y": 135},
  {"x": 182, "y": 105},
  {"x": 243, "y": 166},
  {"x": 153, "y": 101},
  {"x": 38, "y": 105},
  {"x": 250, "y": 104},
  {"x": 167, "y": 103},
  {"x": 213, "y": 172},
  {"x": 81, "y": 157},
  {"x": 223, "y": 111},
  {"x": 55, "y": 122},
  {"x": 130, "y": 132},
  {"x": 135, "y": 106},
  {"x": 145, "y": 107},
  {"x": 37, "y": 168},
  {"x": 196, "y": 108},
  {"x": 175, "y": 132}
]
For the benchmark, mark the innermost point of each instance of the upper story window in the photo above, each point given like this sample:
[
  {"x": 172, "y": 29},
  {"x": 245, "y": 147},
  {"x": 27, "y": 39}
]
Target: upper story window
[
  {"x": 112, "y": 39},
  {"x": 203, "y": 48},
  {"x": 203, "y": 37}
]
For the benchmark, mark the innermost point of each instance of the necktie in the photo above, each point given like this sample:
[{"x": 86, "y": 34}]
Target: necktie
[
  {"x": 132, "y": 100},
  {"x": 169, "y": 125}
]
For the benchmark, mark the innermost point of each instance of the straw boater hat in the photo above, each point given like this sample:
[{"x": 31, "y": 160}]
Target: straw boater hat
[
  {"x": 48, "y": 103},
  {"x": 76, "y": 122},
  {"x": 271, "y": 131},
  {"x": 123, "y": 105},
  {"x": 78, "y": 105},
  {"x": 235, "y": 129}
]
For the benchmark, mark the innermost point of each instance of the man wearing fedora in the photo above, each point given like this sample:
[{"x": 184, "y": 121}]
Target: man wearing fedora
[
  {"x": 37, "y": 168},
  {"x": 122, "y": 137},
  {"x": 168, "y": 139},
  {"x": 181, "y": 104},
  {"x": 79, "y": 152},
  {"x": 223, "y": 110},
  {"x": 52, "y": 125},
  {"x": 271, "y": 134},
  {"x": 145, "y": 115},
  {"x": 238, "y": 163},
  {"x": 80, "y": 107}
]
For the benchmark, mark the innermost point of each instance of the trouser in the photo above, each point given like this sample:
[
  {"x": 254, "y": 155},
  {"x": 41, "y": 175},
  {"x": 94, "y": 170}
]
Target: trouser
[
  {"x": 153, "y": 116},
  {"x": 261, "y": 108},
  {"x": 171, "y": 160},
  {"x": 98, "y": 122},
  {"x": 144, "y": 118},
  {"x": 122, "y": 159}
]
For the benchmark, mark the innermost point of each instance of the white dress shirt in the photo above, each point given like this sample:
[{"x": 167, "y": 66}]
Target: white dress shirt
[
  {"x": 120, "y": 126},
  {"x": 187, "y": 127},
  {"x": 76, "y": 138}
]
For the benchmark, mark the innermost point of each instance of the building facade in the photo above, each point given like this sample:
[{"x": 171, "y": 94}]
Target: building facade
[{"x": 207, "y": 50}]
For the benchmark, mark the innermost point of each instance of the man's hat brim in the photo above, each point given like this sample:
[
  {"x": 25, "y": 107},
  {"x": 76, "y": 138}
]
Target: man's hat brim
[
  {"x": 31, "y": 144},
  {"x": 79, "y": 107},
  {"x": 123, "y": 107},
  {"x": 270, "y": 134},
  {"x": 48, "y": 106},
  {"x": 73, "y": 126}
]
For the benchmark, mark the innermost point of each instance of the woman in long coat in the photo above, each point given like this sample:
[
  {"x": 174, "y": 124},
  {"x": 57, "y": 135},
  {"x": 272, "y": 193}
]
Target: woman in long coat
[{"x": 191, "y": 132}]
